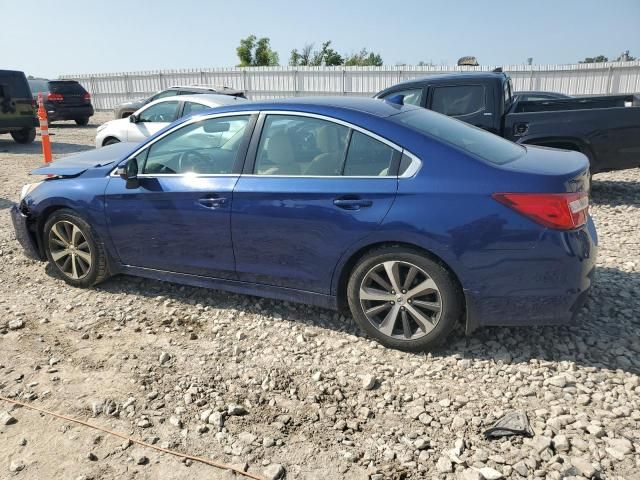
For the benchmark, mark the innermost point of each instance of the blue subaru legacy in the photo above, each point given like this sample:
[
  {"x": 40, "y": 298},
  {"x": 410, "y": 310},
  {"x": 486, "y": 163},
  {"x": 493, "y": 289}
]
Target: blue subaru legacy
[{"x": 412, "y": 220}]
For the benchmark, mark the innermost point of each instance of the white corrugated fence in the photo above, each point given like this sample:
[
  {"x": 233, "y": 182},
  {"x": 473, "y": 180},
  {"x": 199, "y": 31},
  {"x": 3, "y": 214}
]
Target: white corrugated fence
[{"x": 109, "y": 89}]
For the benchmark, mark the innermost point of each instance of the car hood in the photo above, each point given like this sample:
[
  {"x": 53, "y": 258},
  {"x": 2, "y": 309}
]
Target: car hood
[{"x": 74, "y": 165}]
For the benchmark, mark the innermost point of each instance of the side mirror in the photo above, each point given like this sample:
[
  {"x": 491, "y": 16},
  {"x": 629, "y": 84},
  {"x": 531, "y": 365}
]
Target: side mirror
[
  {"x": 133, "y": 118},
  {"x": 129, "y": 172}
]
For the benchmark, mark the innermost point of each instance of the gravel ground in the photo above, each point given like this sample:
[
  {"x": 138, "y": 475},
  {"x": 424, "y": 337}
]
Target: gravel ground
[{"x": 276, "y": 387}]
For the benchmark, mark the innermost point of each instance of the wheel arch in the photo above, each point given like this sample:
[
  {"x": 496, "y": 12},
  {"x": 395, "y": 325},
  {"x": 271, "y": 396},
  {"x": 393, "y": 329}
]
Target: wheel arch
[
  {"x": 342, "y": 276},
  {"x": 110, "y": 137}
]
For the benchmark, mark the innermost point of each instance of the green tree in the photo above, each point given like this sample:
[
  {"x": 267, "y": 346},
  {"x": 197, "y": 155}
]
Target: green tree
[
  {"x": 245, "y": 51},
  {"x": 363, "y": 58},
  {"x": 264, "y": 56},
  {"x": 309, "y": 57},
  {"x": 598, "y": 59},
  {"x": 256, "y": 53}
]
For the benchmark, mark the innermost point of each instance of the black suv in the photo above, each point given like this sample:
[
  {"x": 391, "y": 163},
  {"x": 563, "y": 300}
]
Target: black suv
[
  {"x": 63, "y": 99},
  {"x": 17, "y": 113},
  {"x": 127, "y": 108}
]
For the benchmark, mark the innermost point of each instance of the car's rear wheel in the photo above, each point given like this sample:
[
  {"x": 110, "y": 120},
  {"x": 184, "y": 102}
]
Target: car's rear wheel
[
  {"x": 74, "y": 249},
  {"x": 404, "y": 299},
  {"x": 82, "y": 121},
  {"x": 110, "y": 141},
  {"x": 26, "y": 135}
]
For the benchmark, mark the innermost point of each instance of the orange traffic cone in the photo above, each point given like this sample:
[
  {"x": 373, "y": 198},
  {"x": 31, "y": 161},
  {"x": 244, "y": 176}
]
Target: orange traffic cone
[{"x": 44, "y": 130}]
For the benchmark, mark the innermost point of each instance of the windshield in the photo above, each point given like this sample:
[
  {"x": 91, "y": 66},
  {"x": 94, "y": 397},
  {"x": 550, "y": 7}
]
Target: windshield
[{"x": 476, "y": 141}]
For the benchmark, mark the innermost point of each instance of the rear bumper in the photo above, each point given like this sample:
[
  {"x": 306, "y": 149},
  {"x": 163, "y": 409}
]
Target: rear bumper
[
  {"x": 545, "y": 285},
  {"x": 23, "y": 235},
  {"x": 68, "y": 112}
]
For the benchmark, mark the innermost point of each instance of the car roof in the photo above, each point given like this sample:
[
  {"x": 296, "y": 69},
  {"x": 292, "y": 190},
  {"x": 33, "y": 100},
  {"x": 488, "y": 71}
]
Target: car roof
[
  {"x": 446, "y": 77},
  {"x": 370, "y": 106},
  {"x": 211, "y": 99}
]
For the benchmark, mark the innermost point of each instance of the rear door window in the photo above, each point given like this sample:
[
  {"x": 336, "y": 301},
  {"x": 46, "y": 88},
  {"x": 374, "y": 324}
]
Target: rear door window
[
  {"x": 298, "y": 145},
  {"x": 459, "y": 100},
  {"x": 192, "y": 107},
  {"x": 367, "y": 157}
]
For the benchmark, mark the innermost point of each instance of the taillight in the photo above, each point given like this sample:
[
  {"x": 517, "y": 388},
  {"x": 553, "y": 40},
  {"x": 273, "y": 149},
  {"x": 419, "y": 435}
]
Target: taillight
[
  {"x": 563, "y": 211},
  {"x": 87, "y": 97},
  {"x": 55, "y": 97}
]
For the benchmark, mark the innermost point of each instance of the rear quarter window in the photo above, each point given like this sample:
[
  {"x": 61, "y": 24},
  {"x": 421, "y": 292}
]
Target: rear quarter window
[{"x": 485, "y": 145}]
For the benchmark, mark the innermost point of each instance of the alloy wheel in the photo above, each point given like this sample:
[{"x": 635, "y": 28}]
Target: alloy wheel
[
  {"x": 400, "y": 300},
  {"x": 70, "y": 249}
]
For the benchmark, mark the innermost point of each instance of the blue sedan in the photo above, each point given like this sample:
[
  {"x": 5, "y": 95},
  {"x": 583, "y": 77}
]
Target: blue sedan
[{"x": 412, "y": 220}]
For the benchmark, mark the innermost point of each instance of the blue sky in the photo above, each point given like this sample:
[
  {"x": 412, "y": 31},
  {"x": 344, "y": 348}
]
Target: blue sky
[{"x": 126, "y": 35}]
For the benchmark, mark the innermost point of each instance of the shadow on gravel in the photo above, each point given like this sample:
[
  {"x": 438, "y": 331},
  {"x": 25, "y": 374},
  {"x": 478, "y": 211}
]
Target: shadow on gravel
[
  {"x": 5, "y": 203},
  {"x": 8, "y": 146},
  {"x": 606, "y": 334},
  {"x": 610, "y": 192}
]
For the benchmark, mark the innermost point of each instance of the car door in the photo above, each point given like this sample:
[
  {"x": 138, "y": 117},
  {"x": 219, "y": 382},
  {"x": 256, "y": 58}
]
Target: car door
[
  {"x": 177, "y": 217},
  {"x": 312, "y": 187},
  {"x": 152, "y": 119}
]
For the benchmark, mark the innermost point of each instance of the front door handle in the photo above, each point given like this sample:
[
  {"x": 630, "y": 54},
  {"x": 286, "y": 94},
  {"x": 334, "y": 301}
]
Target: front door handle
[
  {"x": 212, "y": 201},
  {"x": 352, "y": 203}
]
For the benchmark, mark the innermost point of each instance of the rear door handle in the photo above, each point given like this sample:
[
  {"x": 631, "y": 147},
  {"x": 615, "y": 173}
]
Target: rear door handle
[
  {"x": 352, "y": 203},
  {"x": 212, "y": 201}
]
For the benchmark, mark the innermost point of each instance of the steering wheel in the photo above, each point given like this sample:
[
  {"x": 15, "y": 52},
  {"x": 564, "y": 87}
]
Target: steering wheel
[{"x": 191, "y": 160}]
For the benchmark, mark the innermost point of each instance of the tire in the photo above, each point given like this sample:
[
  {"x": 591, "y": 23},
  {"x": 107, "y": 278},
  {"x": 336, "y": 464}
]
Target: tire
[
  {"x": 87, "y": 273},
  {"x": 442, "y": 306},
  {"x": 26, "y": 135},
  {"x": 110, "y": 141},
  {"x": 82, "y": 121}
]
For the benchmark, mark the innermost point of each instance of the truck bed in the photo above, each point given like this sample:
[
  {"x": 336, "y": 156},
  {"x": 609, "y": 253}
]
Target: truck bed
[
  {"x": 579, "y": 103},
  {"x": 606, "y": 128}
]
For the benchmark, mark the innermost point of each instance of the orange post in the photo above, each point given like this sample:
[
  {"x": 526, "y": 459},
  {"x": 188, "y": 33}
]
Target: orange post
[{"x": 44, "y": 130}]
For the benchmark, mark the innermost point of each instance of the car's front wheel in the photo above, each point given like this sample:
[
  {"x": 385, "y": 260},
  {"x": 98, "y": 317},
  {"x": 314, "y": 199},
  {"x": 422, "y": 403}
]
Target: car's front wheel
[
  {"x": 404, "y": 299},
  {"x": 74, "y": 249},
  {"x": 26, "y": 135},
  {"x": 82, "y": 121}
]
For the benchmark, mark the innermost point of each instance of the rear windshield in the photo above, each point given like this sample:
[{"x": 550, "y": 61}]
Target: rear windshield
[
  {"x": 68, "y": 88},
  {"x": 14, "y": 85},
  {"x": 481, "y": 143}
]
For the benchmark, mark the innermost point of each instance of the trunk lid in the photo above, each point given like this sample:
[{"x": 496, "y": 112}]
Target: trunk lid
[{"x": 553, "y": 169}]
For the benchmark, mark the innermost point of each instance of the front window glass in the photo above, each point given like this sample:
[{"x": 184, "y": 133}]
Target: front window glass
[
  {"x": 297, "y": 145},
  {"x": 485, "y": 145},
  {"x": 205, "y": 147},
  {"x": 458, "y": 100},
  {"x": 160, "y": 112}
]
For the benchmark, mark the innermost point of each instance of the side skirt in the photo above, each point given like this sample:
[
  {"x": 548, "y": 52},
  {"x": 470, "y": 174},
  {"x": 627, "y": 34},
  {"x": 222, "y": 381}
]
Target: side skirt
[{"x": 235, "y": 286}]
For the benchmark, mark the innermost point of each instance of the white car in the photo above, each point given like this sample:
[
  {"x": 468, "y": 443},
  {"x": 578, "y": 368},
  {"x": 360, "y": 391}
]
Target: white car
[{"x": 156, "y": 115}]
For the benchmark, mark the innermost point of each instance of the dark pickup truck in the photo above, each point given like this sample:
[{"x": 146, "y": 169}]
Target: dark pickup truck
[{"x": 605, "y": 128}]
